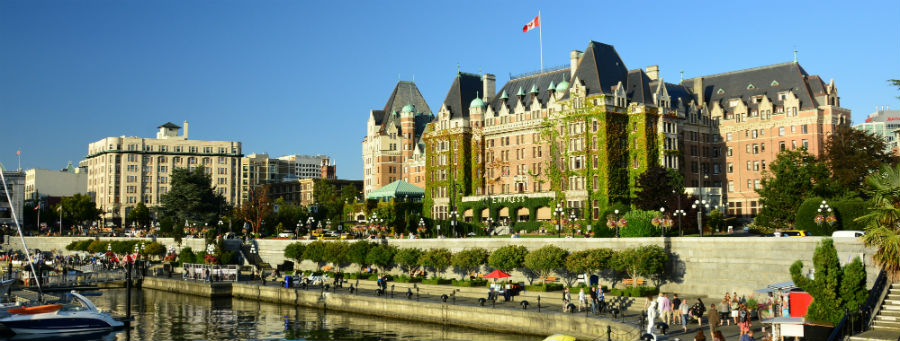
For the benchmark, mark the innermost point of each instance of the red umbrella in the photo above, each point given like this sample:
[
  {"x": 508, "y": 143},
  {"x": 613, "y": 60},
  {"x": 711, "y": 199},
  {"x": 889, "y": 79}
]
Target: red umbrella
[{"x": 496, "y": 274}]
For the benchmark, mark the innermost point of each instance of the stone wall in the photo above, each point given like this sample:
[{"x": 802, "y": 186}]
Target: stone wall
[
  {"x": 502, "y": 320},
  {"x": 707, "y": 266}
]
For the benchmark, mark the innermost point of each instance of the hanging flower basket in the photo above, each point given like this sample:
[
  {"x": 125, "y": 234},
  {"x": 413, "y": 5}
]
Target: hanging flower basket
[
  {"x": 210, "y": 259},
  {"x": 622, "y": 222},
  {"x": 820, "y": 219},
  {"x": 611, "y": 224},
  {"x": 831, "y": 220}
]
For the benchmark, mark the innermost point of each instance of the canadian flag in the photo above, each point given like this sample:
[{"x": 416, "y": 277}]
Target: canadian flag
[{"x": 532, "y": 24}]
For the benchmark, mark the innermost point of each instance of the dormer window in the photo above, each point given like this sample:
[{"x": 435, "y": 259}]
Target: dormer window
[
  {"x": 720, "y": 91},
  {"x": 734, "y": 102},
  {"x": 774, "y": 83},
  {"x": 751, "y": 86}
]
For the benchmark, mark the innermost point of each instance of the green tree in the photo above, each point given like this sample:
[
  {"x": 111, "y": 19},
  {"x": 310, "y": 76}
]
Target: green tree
[
  {"x": 657, "y": 187},
  {"x": 336, "y": 253},
  {"x": 896, "y": 83},
  {"x": 295, "y": 251},
  {"x": 469, "y": 260},
  {"x": 382, "y": 256},
  {"x": 792, "y": 177},
  {"x": 155, "y": 249},
  {"x": 853, "y": 285},
  {"x": 852, "y": 154},
  {"x": 825, "y": 286},
  {"x": 646, "y": 261},
  {"x": 191, "y": 197},
  {"x": 408, "y": 259},
  {"x": 315, "y": 252},
  {"x": 883, "y": 220},
  {"x": 139, "y": 215},
  {"x": 436, "y": 260},
  {"x": 79, "y": 208},
  {"x": 288, "y": 215},
  {"x": 588, "y": 261},
  {"x": 358, "y": 251},
  {"x": 186, "y": 256},
  {"x": 508, "y": 258},
  {"x": 329, "y": 204},
  {"x": 545, "y": 260}
]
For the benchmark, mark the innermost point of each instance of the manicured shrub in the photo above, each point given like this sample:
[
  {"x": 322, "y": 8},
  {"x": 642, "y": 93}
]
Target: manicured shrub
[
  {"x": 847, "y": 212},
  {"x": 470, "y": 283},
  {"x": 438, "y": 280},
  {"x": 507, "y": 258},
  {"x": 639, "y": 224},
  {"x": 545, "y": 287}
]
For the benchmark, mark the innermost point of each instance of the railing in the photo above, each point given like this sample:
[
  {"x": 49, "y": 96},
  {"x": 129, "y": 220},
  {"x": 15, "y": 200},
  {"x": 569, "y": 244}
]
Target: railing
[{"x": 861, "y": 319}]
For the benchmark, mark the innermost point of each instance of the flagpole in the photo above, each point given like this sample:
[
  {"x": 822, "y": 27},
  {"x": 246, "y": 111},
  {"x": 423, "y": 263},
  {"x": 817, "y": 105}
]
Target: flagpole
[{"x": 541, "y": 38}]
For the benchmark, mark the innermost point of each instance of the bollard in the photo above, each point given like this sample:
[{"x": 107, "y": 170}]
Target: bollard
[
  {"x": 524, "y": 305},
  {"x": 608, "y": 333},
  {"x": 409, "y": 293},
  {"x": 392, "y": 291},
  {"x": 481, "y": 301},
  {"x": 539, "y": 303},
  {"x": 444, "y": 298}
]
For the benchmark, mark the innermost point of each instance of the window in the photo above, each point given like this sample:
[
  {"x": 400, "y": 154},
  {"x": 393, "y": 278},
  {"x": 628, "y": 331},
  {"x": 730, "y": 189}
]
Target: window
[
  {"x": 803, "y": 129},
  {"x": 728, "y": 136},
  {"x": 730, "y": 167},
  {"x": 806, "y": 144},
  {"x": 730, "y": 151},
  {"x": 731, "y": 186},
  {"x": 781, "y": 146}
]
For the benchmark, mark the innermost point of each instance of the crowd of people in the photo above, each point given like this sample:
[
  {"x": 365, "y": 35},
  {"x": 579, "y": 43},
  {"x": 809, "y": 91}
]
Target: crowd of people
[{"x": 662, "y": 312}]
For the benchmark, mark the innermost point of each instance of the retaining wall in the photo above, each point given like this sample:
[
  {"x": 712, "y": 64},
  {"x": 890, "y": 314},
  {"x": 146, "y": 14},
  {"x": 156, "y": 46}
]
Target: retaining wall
[
  {"x": 502, "y": 320},
  {"x": 707, "y": 266}
]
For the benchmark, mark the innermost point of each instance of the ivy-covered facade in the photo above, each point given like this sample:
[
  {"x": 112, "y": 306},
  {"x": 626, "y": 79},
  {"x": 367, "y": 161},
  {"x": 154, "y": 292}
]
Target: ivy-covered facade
[{"x": 574, "y": 138}]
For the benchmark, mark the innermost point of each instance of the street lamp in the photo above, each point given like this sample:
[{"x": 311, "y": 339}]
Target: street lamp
[
  {"x": 572, "y": 218},
  {"x": 679, "y": 214},
  {"x": 700, "y": 205},
  {"x": 559, "y": 214},
  {"x": 421, "y": 229},
  {"x": 616, "y": 222},
  {"x": 453, "y": 222},
  {"x": 309, "y": 222},
  {"x": 340, "y": 230},
  {"x": 821, "y": 218},
  {"x": 490, "y": 222},
  {"x": 297, "y": 231}
]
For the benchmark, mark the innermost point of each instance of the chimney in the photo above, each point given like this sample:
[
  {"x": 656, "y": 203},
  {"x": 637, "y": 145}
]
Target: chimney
[
  {"x": 653, "y": 72},
  {"x": 489, "y": 86},
  {"x": 185, "y": 130},
  {"x": 574, "y": 56},
  {"x": 698, "y": 90}
]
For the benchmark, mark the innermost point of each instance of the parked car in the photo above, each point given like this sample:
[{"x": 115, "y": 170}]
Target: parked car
[
  {"x": 792, "y": 233},
  {"x": 847, "y": 234}
]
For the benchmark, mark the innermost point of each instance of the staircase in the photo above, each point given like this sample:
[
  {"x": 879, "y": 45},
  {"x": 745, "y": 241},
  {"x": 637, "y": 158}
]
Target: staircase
[
  {"x": 886, "y": 325},
  {"x": 888, "y": 318}
]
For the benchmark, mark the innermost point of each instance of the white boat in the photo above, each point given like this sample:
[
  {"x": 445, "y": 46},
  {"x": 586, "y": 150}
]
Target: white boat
[{"x": 79, "y": 316}]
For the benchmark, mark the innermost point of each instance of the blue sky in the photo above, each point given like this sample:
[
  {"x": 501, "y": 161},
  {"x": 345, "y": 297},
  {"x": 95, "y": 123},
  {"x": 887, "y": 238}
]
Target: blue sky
[{"x": 299, "y": 77}]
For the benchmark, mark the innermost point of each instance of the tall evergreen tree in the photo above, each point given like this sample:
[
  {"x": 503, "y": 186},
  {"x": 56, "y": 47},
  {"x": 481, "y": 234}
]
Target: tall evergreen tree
[
  {"x": 825, "y": 286},
  {"x": 191, "y": 198}
]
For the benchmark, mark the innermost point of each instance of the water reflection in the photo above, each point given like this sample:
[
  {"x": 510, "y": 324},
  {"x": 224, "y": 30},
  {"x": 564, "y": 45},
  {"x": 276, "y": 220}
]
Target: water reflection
[{"x": 163, "y": 315}]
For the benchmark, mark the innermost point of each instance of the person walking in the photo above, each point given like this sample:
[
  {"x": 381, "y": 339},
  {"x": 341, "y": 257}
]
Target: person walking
[
  {"x": 676, "y": 307},
  {"x": 713, "y": 321},
  {"x": 683, "y": 307},
  {"x": 566, "y": 298},
  {"x": 724, "y": 312},
  {"x": 651, "y": 307},
  {"x": 697, "y": 311},
  {"x": 735, "y": 307},
  {"x": 593, "y": 295},
  {"x": 582, "y": 300},
  {"x": 665, "y": 308},
  {"x": 744, "y": 318}
]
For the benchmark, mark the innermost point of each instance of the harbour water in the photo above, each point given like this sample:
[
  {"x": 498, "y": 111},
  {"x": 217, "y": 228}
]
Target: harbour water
[{"x": 160, "y": 315}]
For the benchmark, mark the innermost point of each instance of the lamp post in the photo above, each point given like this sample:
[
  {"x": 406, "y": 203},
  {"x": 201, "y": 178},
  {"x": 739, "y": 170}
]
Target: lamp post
[
  {"x": 490, "y": 222},
  {"x": 700, "y": 205},
  {"x": 453, "y": 222},
  {"x": 221, "y": 224},
  {"x": 825, "y": 215},
  {"x": 617, "y": 222},
  {"x": 679, "y": 214},
  {"x": 297, "y": 230},
  {"x": 340, "y": 230},
  {"x": 421, "y": 226},
  {"x": 572, "y": 218},
  {"x": 662, "y": 226},
  {"x": 559, "y": 215},
  {"x": 309, "y": 223}
]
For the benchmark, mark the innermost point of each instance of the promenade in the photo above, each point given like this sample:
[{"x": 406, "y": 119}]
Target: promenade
[{"x": 426, "y": 302}]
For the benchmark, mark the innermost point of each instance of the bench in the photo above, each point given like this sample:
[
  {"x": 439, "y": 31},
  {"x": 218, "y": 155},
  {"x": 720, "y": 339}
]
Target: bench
[
  {"x": 550, "y": 279},
  {"x": 632, "y": 281}
]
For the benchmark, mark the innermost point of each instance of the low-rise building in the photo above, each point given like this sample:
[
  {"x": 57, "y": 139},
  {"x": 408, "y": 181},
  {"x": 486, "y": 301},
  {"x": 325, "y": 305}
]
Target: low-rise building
[
  {"x": 15, "y": 186},
  {"x": 884, "y": 123},
  {"x": 41, "y": 183},
  {"x": 260, "y": 169},
  {"x": 301, "y": 191}
]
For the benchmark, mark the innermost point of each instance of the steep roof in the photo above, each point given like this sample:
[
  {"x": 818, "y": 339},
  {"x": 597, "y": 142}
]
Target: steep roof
[
  {"x": 638, "y": 88},
  {"x": 541, "y": 81},
  {"x": 600, "y": 68},
  {"x": 404, "y": 93},
  {"x": 463, "y": 90},
  {"x": 169, "y": 125},
  {"x": 767, "y": 80}
]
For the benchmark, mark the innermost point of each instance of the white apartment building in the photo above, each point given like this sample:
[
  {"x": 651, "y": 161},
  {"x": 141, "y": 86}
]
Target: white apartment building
[
  {"x": 123, "y": 171},
  {"x": 55, "y": 183}
]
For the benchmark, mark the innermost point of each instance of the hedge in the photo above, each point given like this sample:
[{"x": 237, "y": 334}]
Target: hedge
[
  {"x": 436, "y": 281},
  {"x": 545, "y": 287},
  {"x": 470, "y": 283},
  {"x": 634, "y": 291}
]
